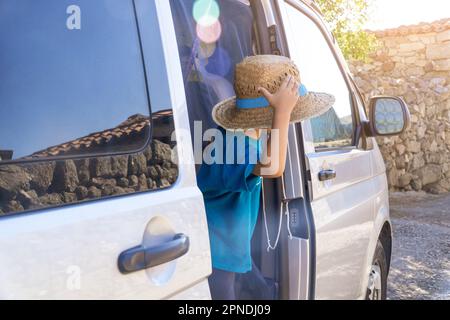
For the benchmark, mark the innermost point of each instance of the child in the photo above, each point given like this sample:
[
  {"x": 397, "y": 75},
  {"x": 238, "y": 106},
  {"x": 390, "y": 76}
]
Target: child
[{"x": 269, "y": 96}]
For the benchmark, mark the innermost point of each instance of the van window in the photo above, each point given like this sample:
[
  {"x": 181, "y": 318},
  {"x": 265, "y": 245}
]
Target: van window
[
  {"x": 212, "y": 36},
  {"x": 61, "y": 88},
  {"x": 319, "y": 71},
  {"x": 75, "y": 118}
]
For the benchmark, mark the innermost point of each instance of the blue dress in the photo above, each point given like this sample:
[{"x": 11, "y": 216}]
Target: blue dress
[{"x": 232, "y": 195}]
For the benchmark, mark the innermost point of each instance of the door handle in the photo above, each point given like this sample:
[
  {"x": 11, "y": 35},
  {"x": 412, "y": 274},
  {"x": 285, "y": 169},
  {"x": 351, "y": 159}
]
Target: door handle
[
  {"x": 328, "y": 174},
  {"x": 140, "y": 258}
]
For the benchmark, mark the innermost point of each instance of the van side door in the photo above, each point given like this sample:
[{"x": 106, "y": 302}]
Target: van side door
[
  {"x": 98, "y": 197},
  {"x": 341, "y": 182}
]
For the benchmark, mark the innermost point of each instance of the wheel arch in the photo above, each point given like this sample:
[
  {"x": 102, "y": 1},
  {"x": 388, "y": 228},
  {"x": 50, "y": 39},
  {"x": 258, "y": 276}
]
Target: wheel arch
[
  {"x": 382, "y": 231},
  {"x": 385, "y": 238}
]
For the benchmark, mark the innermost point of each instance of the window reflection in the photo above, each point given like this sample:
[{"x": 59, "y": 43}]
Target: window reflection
[
  {"x": 212, "y": 37},
  {"x": 67, "y": 88},
  {"x": 70, "y": 101},
  {"x": 42, "y": 184},
  {"x": 320, "y": 72}
]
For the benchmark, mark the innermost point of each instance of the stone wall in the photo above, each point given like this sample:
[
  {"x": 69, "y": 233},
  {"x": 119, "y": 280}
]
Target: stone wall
[
  {"x": 414, "y": 62},
  {"x": 30, "y": 186}
]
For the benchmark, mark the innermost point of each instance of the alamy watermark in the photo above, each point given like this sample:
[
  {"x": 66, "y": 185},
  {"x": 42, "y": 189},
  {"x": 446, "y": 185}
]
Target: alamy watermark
[
  {"x": 230, "y": 148},
  {"x": 73, "y": 281},
  {"x": 73, "y": 22}
]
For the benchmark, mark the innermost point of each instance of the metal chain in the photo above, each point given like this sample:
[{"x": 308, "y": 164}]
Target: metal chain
[{"x": 280, "y": 222}]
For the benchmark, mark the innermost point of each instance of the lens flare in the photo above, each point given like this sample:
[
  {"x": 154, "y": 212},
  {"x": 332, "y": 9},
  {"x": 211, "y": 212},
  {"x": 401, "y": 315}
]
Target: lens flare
[
  {"x": 209, "y": 34},
  {"x": 206, "y": 12}
]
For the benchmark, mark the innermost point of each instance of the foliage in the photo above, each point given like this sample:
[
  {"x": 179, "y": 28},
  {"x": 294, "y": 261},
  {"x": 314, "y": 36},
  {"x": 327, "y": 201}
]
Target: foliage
[{"x": 346, "y": 19}]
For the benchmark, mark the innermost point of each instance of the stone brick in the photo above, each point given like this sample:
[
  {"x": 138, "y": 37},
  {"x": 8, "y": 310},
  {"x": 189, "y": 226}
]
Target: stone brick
[
  {"x": 137, "y": 164},
  {"x": 101, "y": 167},
  {"x": 123, "y": 182},
  {"x": 82, "y": 192},
  {"x": 443, "y": 36},
  {"x": 142, "y": 183},
  {"x": 84, "y": 172},
  {"x": 388, "y": 66},
  {"x": 28, "y": 199},
  {"x": 415, "y": 71},
  {"x": 13, "y": 206},
  {"x": 411, "y": 46},
  {"x": 161, "y": 152},
  {"x": 65, "y": 177},
  {"x": 429, "y": 174},
  {"x": 438, "y": 51},
  {"x": 52, "y": 199},
  {"x": 133, "y": 181},
  {"x": 442, "y": 65},
  {"x": 41, "y": 176},
  {"x": 119, "y": 166},
  {"x": 94, "y": 192},
  {"x": 69, "y": 197},
  {"x": 404, "y": 180},
  {"x": 413, "y": 146},
  {"x": 400, "y": 149},
  {"x": 428, "y": 38},
  {"x": 12, "y": 180},
  {"x": 100, "y": 182}
]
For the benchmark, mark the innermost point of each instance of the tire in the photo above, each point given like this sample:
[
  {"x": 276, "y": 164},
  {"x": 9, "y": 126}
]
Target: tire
[{"x": 379, "y": 266}]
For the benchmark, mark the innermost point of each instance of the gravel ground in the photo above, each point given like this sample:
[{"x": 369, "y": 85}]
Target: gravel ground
[{"x": 420, "y": 266}]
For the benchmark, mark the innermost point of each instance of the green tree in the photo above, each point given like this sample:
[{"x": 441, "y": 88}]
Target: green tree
[{"x": 346, "y": 19}]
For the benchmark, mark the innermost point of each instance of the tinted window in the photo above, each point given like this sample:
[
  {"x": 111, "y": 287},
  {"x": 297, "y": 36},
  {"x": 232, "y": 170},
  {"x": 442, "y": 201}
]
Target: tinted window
[
  {"x": 209, "y": 51},
  {"x": 320, "y": 72},
  {"x": 61, "y": 86},
  {"x": 67, "y": 96}
]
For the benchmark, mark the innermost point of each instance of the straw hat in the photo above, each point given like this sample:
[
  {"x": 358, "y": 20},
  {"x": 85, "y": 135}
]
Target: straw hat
[{"x": 250, "y": 110}]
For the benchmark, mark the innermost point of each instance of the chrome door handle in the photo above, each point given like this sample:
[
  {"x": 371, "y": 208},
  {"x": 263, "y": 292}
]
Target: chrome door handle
[
  {"x": 140, "y": 258},
  {"x": 325, "y": 175}
]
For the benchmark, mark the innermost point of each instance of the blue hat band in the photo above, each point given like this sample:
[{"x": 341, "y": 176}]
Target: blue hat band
[{"x": 261, "y": 102}]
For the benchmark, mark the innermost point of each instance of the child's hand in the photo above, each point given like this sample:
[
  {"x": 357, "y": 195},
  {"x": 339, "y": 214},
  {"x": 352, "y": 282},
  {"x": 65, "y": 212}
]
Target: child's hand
[
  {"x": 285, "y": 99},
  {"x": 283, "y": 102}
]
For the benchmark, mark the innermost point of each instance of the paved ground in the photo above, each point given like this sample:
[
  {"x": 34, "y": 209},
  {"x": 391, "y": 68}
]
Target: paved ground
[{"x": 421, "y": 253}]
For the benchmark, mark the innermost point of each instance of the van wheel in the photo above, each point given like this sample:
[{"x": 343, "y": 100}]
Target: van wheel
[{"x": 377, "y": 286}]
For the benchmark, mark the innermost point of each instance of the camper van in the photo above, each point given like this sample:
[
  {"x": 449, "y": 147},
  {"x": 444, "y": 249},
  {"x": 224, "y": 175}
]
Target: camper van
[{"x": 100, "y": 103}]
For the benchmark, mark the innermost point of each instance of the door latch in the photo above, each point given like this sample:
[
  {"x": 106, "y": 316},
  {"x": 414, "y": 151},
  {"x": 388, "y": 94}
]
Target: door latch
[{"x": 328, "y": 174}]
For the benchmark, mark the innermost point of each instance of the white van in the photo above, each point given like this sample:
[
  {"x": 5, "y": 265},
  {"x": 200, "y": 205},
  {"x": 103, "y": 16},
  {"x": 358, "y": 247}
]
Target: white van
[{"x": 98, "y": 194}]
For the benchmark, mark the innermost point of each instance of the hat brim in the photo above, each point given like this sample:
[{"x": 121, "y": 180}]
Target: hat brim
[{"x": 228, "y": 116}]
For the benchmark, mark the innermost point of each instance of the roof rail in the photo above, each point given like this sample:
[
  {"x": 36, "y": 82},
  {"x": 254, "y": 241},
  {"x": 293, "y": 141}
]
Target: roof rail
[{"x": 313, "y": 5}]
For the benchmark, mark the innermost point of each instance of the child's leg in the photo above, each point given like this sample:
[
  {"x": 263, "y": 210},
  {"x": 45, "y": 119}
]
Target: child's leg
[
  {"x": 253, "y": 286},
  {"x": 221, "y": 284}
]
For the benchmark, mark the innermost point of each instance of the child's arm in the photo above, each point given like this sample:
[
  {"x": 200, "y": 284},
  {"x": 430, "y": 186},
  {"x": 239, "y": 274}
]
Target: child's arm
[{"x": 283, "y": 102}]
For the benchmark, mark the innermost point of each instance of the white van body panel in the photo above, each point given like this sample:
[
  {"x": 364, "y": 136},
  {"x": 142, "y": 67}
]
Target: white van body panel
[
  {"x": 343, "y": 216},
  {"x": 381, "y": 210},
  {"x": 350, "y": 210},
  {"x": 71, "y": 252},
  {"x": 349, "y": 213}
]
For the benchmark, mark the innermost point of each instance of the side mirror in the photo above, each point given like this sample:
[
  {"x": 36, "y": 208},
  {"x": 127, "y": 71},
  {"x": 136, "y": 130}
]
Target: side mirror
[{"x": 389, "y": 116}]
